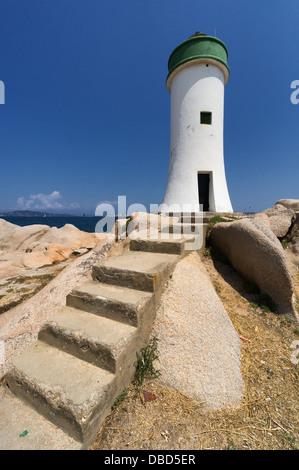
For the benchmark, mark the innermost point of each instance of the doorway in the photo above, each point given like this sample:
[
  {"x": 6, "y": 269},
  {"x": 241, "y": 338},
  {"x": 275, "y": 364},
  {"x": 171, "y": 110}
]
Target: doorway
[{"x": 204, "y": 190}]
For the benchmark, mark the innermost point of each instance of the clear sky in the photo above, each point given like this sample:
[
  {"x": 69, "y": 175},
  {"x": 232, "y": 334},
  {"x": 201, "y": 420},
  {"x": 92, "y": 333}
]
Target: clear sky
[{"x": 86, "y": 113}]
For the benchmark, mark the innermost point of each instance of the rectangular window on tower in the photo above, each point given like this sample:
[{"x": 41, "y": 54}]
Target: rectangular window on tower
[{"x": 205, "y": 117}]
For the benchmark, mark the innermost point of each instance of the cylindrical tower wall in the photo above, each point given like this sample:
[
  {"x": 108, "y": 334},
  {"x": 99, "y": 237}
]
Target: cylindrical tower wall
[{"x": 196, "y": 145}]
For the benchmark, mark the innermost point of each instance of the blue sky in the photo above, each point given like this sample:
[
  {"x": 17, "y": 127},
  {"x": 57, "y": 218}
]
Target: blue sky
[{"x": 86, "y": 114}]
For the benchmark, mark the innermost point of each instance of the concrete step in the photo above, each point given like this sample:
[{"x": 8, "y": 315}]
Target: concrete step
[
  {"x": 194, "y": 218},
  {"x": 22, "y": 428},
  {"x": 117, "y": 303},
  {"x": 189, "y": 231},
  {"x": 171, "y": 245},
  {"x": 197, "y": 217},
  {"x": 185, "y": 229},
  {"x": 85, "y": 355},
  {"x": 71, "y": 393},
  {"x": 203, "y": 217},
  {"x": 136, "y": 270},
  {"x": 102, "y": 342}
]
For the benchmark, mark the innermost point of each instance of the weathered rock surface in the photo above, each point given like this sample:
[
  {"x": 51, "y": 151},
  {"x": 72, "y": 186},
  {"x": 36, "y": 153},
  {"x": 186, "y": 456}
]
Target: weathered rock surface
[
  {"x": 292, "y": 204},
  {"x": 293, "y": 244},
  {"x": 14, "y": 238},
  {"x": 280, "y": 218},
  {"x": 284, "y": 222},
  {"x": 256, "y": 253},
  {"x": 34, "y": 246},
  {"x": 199, "y": 349},
  {"x": 17, "y": 289}
]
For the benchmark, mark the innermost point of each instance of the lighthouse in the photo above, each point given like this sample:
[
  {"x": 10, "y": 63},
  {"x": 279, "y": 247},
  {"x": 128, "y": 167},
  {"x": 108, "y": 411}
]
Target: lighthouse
[{"x": 198, "y": 73}]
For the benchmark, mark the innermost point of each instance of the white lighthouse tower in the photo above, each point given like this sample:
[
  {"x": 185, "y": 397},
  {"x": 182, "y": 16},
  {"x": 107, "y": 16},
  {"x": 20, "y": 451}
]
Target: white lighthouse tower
[{"x": 198, "y": 72}]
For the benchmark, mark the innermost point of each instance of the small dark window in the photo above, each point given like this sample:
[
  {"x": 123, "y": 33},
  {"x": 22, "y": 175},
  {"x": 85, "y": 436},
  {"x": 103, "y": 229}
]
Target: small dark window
[{"x": 205, "y": 117}]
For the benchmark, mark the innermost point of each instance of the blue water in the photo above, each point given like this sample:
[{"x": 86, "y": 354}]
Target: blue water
[{"x": 87, "y": 224}]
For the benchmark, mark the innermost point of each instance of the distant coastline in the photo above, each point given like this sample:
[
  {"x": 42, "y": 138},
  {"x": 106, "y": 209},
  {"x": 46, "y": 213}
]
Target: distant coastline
[
  {"x": 33, "y": 214},
  {"x": 24, "y": 218}
]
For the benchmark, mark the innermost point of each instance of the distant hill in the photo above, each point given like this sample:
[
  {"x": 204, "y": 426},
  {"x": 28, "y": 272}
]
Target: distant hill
[{"x": 32, "y": 214}]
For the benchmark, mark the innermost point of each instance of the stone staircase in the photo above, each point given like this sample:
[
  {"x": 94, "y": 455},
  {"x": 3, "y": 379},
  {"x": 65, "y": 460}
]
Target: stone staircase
[{"x": 85, "y": 354}]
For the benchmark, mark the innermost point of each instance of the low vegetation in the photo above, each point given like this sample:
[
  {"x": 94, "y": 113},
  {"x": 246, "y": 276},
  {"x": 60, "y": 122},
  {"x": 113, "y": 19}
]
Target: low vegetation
[
  {"x": 213, "y": 221},
  {"x": 145, "y": 369},
  {"x": 146, "y": 363}
]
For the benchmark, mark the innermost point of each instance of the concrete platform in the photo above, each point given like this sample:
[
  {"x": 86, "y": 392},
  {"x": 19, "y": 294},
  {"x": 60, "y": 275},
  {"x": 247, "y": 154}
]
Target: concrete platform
[
  {"x": 70, "y": 393},
  {"x": 22, "y": 428}
]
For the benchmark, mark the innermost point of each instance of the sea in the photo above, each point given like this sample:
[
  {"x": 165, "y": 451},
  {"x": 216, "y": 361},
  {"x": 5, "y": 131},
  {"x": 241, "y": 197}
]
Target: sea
[{"x": 86, "y": 224}]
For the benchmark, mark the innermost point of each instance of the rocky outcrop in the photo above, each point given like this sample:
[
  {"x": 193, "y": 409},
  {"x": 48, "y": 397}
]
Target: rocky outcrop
[
  {"x": 284, "y": 222},
  {"x": 293, "y": 243},
  {"x": 256, "y": 253},
  {"x": 199, "y": 348},
  {"x": 14, "y": 238},
  {"x": 292, "y": 204},
  {"x": 34, "y": 246},
  {"x": 280, "y": 218}
]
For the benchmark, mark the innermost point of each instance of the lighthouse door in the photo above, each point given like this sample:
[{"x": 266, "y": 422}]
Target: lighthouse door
[{"x": 203, "y": 190}]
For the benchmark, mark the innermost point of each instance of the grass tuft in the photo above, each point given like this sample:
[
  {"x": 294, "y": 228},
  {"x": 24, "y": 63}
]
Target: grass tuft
[{"x": 145, "y": 367}]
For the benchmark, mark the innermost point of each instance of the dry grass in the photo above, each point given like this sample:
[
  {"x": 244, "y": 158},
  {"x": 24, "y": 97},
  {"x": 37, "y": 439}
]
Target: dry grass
[{"x": 268, "y": 417}]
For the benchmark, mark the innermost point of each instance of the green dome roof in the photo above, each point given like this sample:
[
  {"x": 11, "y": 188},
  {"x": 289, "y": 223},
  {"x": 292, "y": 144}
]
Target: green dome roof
[{"x": 198, "y": 46}]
